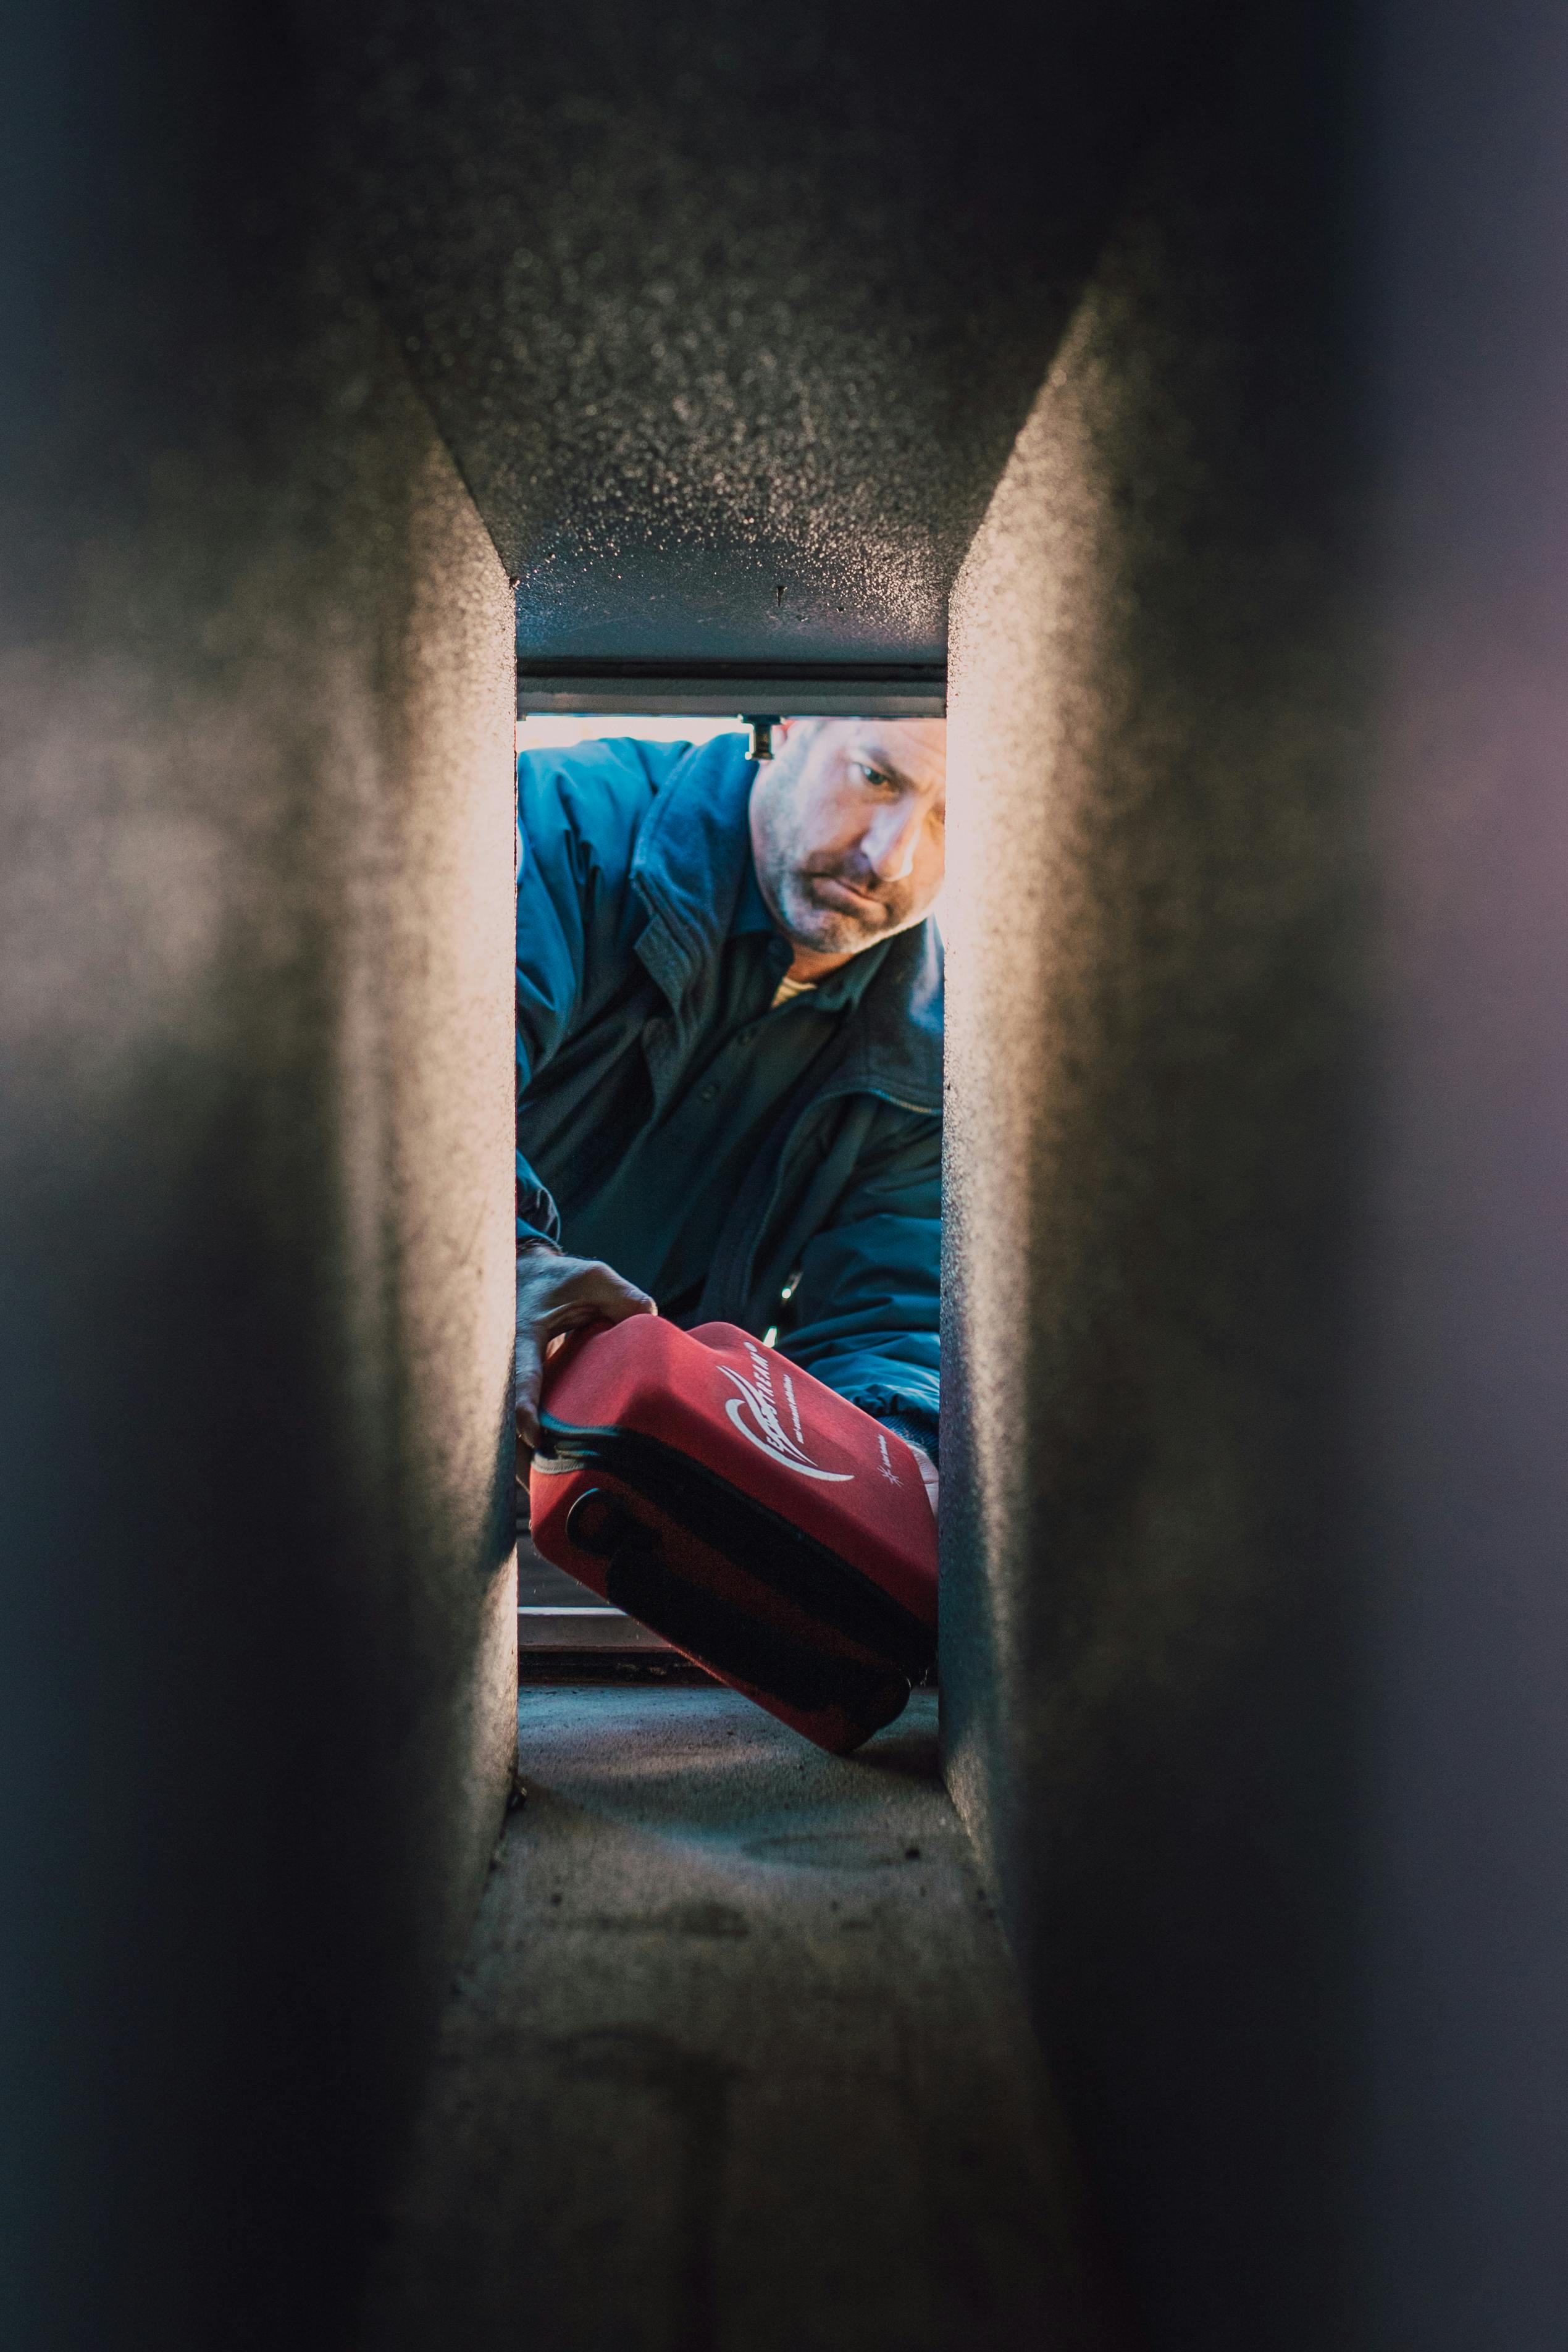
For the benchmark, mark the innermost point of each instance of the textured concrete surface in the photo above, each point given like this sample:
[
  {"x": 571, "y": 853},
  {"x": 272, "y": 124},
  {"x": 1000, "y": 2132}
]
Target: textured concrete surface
[
  {"x": 1154, "y": 1081},
  {"x": 1255, "y": 1645},
  {"x": 257, "y": 1680},
  {"x": 735, "y": 2063},
  {"x": 729, "y": 315},
  {"x": 1254, "y": 1639}
]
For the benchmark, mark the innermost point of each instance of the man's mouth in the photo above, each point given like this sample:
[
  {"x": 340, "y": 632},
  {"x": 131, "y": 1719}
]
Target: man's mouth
[{"x": 844, "y": 894}]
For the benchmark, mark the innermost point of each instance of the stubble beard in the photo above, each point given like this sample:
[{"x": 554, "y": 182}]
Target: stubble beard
[
  {"x": 805, "y": 919},
  {"x": 828, "y": 931}
]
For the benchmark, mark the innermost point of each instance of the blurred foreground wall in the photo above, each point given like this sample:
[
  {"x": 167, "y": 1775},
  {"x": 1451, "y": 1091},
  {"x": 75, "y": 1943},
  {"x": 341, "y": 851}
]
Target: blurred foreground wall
[
  {"x": 1254, "y": 1655},
  {"x": 255, "y": 835}
]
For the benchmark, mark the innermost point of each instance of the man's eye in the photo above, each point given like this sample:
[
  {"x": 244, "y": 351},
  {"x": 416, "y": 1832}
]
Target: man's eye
[{"x": 874, "y": 776}]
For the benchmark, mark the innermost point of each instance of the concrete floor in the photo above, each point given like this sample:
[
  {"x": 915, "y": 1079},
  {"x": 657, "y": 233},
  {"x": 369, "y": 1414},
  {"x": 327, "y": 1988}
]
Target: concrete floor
[{"x": 736, "y": 2063}]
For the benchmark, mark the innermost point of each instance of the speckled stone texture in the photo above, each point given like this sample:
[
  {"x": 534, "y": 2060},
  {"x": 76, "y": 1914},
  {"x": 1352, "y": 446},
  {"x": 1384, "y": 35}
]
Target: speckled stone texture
[
  {"x": 257, "y": 1679},
  {"x": 729, "y": 314},
  {"x": 735, "y": 2063},
  {"x": 1153, "y": 1090},
  {"x": 1255, "y": 1641}
]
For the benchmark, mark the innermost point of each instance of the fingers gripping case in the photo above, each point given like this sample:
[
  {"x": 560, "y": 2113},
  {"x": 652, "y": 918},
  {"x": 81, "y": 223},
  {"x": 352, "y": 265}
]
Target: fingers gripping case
[{"x": 770, "y": 1530}]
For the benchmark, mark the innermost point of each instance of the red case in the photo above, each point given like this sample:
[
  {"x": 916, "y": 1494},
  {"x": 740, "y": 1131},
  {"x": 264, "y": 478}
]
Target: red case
[{"x": 776, "y": 1534}]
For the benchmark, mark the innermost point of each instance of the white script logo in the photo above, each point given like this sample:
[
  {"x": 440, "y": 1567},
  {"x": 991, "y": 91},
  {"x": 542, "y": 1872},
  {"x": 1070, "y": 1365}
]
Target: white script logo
[{"x": 763, "y": 1428}]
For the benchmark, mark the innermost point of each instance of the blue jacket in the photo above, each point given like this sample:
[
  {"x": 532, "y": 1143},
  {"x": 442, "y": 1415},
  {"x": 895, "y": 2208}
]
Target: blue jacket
[{"x": 632, "y": 860}]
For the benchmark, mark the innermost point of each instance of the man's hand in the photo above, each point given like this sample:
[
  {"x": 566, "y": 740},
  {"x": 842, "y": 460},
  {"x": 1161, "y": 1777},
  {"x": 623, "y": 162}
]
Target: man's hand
[{"x": 558, "y": 1294}]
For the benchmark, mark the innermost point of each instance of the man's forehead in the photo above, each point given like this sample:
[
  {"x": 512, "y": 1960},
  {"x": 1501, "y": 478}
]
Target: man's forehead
[{"x": 913, "y": 749}]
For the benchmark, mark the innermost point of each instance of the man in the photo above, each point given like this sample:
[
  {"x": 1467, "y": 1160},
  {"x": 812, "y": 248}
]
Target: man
[{"x": 729, "y": 1050}]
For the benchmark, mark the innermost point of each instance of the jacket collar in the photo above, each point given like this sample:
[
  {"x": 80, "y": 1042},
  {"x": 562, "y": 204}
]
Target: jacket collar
[{"x": 690, "y": 863}]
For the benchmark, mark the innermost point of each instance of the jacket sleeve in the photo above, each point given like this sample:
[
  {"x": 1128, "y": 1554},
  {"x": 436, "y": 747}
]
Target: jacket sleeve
[
  {"x": 866, "y": 1307},
  {"x": 578, "y": 816},
  {"x": 550, "y": 944}
]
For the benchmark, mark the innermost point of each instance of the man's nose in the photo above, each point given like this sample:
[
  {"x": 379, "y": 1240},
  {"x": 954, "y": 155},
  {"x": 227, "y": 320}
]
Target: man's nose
[{"x": 890, "y": 839}]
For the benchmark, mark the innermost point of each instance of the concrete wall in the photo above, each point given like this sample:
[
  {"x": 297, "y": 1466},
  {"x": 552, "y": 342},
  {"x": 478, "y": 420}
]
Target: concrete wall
[
  {"x": 730, "y": 314},
  {"x": 256, "y": 1674},
  {"x": 1255, "y": 1651}
]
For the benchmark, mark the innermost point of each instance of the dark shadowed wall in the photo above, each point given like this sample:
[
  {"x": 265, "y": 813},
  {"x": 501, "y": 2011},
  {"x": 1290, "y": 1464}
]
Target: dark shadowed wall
[
  {"x": 1255, "y": 1651},
  {"x": 256, "y": 865},
  {"x": 1256, "y": 1645}
]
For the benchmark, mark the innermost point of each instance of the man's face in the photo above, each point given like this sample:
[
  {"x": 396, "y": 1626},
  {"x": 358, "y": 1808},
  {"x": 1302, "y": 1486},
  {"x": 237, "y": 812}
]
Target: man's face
[{"x": 847, "y": 828}]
